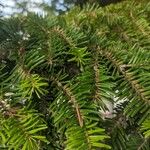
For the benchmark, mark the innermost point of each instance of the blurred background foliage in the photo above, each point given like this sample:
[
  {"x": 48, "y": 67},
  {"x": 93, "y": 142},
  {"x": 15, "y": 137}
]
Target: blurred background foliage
[{"x": 53, "y": 6}]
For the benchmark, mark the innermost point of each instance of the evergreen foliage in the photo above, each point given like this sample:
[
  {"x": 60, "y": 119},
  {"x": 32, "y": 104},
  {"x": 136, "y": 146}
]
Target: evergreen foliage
[{"x": 59, "y": 74}]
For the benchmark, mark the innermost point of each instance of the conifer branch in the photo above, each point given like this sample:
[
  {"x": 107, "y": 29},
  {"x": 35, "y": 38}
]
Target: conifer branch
[
  {"x": 134, "y": 84},
  {"x": 71, "y": 99}
]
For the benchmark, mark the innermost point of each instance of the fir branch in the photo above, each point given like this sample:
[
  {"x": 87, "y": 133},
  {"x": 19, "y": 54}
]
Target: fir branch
[
  {"x": 144, "y": 144},
  {"x": 97, "y": 78},
  {"x": 139, "y": 26},
  {"x": 62, "y": 34},
  {"x": 118, "y": 64},
  {"x": 70, "y": 97}
]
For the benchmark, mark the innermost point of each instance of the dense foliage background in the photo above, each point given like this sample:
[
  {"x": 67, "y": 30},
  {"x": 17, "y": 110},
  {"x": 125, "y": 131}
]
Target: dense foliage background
[
  {"x": 79, "y": 81},
  {"x": 10, "y": 7}
]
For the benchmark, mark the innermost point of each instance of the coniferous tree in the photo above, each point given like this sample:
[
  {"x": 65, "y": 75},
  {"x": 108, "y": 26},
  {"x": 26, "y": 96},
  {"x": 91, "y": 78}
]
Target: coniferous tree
[{"x": 59, "y": 75}]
